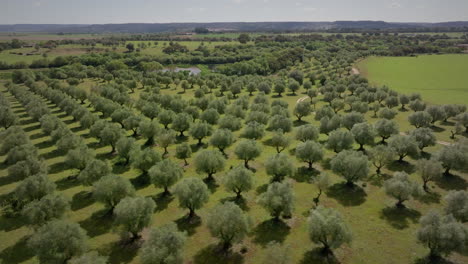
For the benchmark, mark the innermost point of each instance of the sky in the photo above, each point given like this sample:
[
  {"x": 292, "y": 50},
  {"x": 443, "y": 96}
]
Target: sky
[{"x": 164, "y": 11}]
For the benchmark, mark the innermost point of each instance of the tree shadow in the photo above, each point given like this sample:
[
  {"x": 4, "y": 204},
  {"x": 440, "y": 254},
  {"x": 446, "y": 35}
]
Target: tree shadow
[
  {"x": 378, "y": 180},
  {"x": 399, "y": 217},
  {"x": 187, "y": 224},
  {"x": 346, "y": 195},
  {"x": 426, "y": 155},
  {"x": 451, "y": 182},
  {"x": 241, "y": 202},
  {"x": 270, "y": 230},
  {"x": 11, "y": 223},
  {"x": 437, "y": 129},
  {"x": 162, "y": 201},
  {"x": 303, "y": 174},
  {"x": 326, "y": 164},
  {"x": 44, "y": 144},
  {"x": 213, "y": 254},
  {"x": 94, "y": 145},
  {"x": 99, "y": 223},
  {"x": 121, "y": 252},
  {"x": 181, "y": 139},
  {"x": 297, "y": 123},
  {"x": 211, "y": 184},
  {"x": 66, "y": 183},
  {"x": 9, "y": 179},
  {"x": 140, "y": 181},
  {"x": 428, "y": 198},
  {"x": 53, "y": 154},
  {"x": 196, "y": 147},
  {"x": 105, "y": 156},
  {"x": 18, "y": 253},
  {"x": 81, "y": 200},
  {"x": 77, "y": 129},
  {"x": 318, "y": 256},
  {"x": 58, "y": 167},
  {"x": 402, "y": 166},
  {"x": 31, "y": 128},
  {"x": 261, "y": 189},
  {"x": 37, "y": 135},
  {"x": 120, "y": 168},
  {"x": 429, "y": 260}
]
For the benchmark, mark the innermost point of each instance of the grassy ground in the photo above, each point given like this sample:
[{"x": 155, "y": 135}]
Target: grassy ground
[
  {"x": 440, "y": 79},
  {"x": 382, "y": 234}
]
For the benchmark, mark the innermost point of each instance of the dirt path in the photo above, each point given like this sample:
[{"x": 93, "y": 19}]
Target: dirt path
[
  {"x": 301, "y": 99},
  {"x": 445, "y": 143},
  {"x": 355, "y": 71}
]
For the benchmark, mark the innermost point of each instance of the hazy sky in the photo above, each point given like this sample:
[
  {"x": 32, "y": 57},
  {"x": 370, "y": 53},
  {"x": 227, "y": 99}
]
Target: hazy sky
[{"x": 159, "y": 11}]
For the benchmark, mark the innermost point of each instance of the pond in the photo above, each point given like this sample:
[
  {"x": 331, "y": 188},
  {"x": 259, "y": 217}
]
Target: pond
[{"x": 192, "y": 70}]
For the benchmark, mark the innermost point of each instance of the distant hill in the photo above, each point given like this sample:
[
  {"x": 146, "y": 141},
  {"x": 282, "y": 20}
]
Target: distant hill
[{"x": 227, "y": 26}]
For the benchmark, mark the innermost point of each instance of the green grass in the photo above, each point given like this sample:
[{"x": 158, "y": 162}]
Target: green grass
[
  {"x": 440, "y": 79},
  {"x": 381, "y": 234}
]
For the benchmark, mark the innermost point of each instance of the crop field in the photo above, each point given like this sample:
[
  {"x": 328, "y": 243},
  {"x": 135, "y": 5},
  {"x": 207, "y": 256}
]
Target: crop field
[
  {"x": 438, "y": 78},
  {"x": 273, "y": 110}
]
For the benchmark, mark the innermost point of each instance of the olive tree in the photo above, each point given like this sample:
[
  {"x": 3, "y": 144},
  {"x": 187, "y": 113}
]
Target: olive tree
[
  {"x": 253, "y": 130},
  {"x": 58, "y": 241},
  {"x": 94, "y": 170},
  {"x": 351, "y": 165},
  {"x": 165, "y": 174},
  {"x": 363, "y": 133},
  {"x": 278, "y": 200},
  {"x": 181, "y": 123},
  {"x": 164, "y": 245},
  {"x": 302, "y": 109},
  {"x": 327, "y": 227},
  {"x": 149, "y": 130},
  {"x": 183, "y": 152},
  {"x": 110, "y": 135},
  {"x": 165, "y": 139},
  {"x": 132, "y": 214},
  {"x": 456, "y": 204},
  {"x": 420, "y": 119},
  {"x": 403, "y": 146},
  {"x": 386, "y": 128},
  {"x": 401, "y": 188},
  {"x": 381, "y": 156},
  {"x": 221, "y": 139},
  {"x": 437, "y": 113},
  {"x": 307, "y": 132},
  {"x": 429, "y": 170},
  {"x": 340, "y": 140},
  {"x": 200, "y": 130},
  {"x": 309, "y": 152},
  {"x": 111, "y": 189},
  {"x": 322, "y": 182},
  {"x": 144, "y": 159},
  {"x": 192, "y": 194},
  {"x": 280, "y": 141},
  {"x": 247, "y": 150},
  {"x": 453, "y": 156},
  {"x": 228, "y": 223},
  {"x": 125, "y": 147},
  {"x": 424, "y": 137},
  {"x": 34, "y": 188},
  {"x": 279, "y": 166},
  {"x": 209, "y": 162},
  {"x": 51, "y": 206},
  {"x": 442, "y": 234},
  {"x": 238, "y": 180}
]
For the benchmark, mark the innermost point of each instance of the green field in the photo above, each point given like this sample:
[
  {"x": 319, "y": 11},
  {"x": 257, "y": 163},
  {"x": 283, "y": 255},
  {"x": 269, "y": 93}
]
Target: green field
[{"x": 440, "y": 79}]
